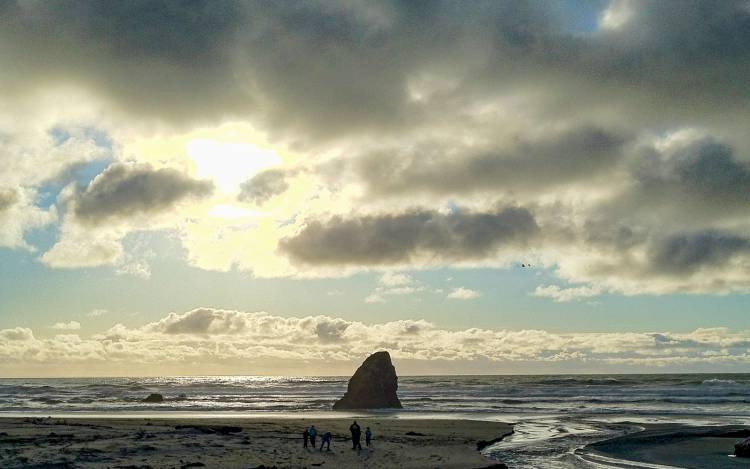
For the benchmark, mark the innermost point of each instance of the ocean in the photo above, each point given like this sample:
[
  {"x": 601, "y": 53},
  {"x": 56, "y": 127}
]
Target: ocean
[{"x": 555, "y": 416}]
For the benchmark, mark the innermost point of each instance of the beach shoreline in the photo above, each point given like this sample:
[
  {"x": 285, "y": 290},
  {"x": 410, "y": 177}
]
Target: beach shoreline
[
  {"x": 672, "y": 445},
  {"x": 240, "y": 442}
]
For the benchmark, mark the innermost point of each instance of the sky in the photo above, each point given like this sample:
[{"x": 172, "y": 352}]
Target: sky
[{"x": 226, "y": 187}]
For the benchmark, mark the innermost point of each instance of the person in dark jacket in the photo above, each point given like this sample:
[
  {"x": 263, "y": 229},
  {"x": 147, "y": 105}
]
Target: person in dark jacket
[
  {"x": 326, "y": 441},
  {"x": 305, "y": 437},
  {"x": 356, "y": 435}
]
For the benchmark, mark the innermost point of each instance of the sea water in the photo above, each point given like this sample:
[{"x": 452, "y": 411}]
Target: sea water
[{"x": 555, "y": 417}]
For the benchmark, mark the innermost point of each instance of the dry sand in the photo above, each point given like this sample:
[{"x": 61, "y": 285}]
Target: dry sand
[{"x": 262, "y": 442}]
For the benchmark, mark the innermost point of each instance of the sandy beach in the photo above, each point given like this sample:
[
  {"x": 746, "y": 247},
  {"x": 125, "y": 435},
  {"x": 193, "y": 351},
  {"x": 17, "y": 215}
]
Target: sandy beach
[{"x": 240, "y": 443}]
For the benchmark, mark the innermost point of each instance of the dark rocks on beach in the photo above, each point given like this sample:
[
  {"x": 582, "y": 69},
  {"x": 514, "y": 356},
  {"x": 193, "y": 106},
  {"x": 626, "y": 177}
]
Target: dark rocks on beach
[
  {"x": 373, "y": 385},
  {"x": 154, "y": 398},
  {"x": 742, "y": 449}
]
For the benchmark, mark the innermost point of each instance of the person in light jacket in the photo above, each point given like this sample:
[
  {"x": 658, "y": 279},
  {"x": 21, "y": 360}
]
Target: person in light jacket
[{"x": 313, "y": 433}]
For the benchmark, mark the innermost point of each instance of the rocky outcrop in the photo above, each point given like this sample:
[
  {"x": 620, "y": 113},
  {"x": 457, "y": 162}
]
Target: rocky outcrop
[
  {"x": 154, "y": 398},
  {"x": 373, "y": 385},
  {"x": 742, "y": 449}
]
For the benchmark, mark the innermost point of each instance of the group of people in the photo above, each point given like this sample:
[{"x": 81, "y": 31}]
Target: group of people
[{"x": 310, "y": 435}]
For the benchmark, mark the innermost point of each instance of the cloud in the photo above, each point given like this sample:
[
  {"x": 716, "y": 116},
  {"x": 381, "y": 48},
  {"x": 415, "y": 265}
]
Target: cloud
[
  {"x": 18, "y": 216},
  {"x": 374, "y": 298},
  {"x": 135, "y": 45},
  {"x": 8, "y": 197},
  {"x": 393, "y": 283},
  {"x": 118, "y": 203},
  {"x": 541, "y": 163},
  {"x": 392, "y": 239},
  {"x": 263, "y": 186},
  {"x": 563, "y": 295},
  {"x": 395, "y": 279},
  {"x": 201, "y": 321},
  {"x": 96, "y": 313},
  {"x": 78, "y": 248},
  {"x": 231, "y": 340},
  {"x": 687, "y": 179},
  {"x": 317, "y": 66},
  {"x": 17, "y": 334},
  {"x": 622, "y": 145},
  {"x": 124, "y": 190},
  {"x": 462, "y": 293},
  {"x": 683, "y": 255},
  {"x": 67, "y": 326}
]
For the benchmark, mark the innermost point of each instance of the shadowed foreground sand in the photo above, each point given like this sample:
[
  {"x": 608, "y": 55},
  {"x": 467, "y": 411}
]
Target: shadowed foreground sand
[{"x": 268, "y": 442}]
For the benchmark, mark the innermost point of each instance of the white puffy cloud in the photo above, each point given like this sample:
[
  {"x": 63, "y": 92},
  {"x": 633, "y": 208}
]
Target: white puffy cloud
[
  {"x": 17, "y": 334},
  {"x": 393, "y": 283},
  {"x": 207, "y": 337},
  {"x": 563, "y": 295},
  {"x": 461, "y": 293},
  {"x": 395, "y": 279},
  {"x": 67, "y": 326}
]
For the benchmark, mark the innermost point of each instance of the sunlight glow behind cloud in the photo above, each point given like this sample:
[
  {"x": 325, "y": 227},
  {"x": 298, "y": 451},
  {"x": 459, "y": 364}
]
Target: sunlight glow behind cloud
[{"x": 228, "y": 163}]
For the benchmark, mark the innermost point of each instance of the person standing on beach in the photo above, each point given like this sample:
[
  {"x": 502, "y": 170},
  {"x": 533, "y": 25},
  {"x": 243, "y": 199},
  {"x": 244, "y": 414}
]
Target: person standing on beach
[
  {"x": 368, "y": 436},
  {"x": 305, "y": 437},
  {"x": 313, "y": 433},
  {"x": 326, "y": 441},
  {"x": 356, "y": 435}
]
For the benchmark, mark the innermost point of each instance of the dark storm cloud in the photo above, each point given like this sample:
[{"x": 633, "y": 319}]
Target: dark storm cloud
[
  {"x": 318, "y": 65},
  {"x": 165, "y": 59},
  {"x": 529, "y": 165},
  {"x": 669, "y": 61},
  {"x": 123, "y": 190},
  {"x": 391, "y": 239},
  {"x": 263, "y": 186},
  {"x": 687, "y": 186},
  {"x": 8, "y": 198},
  {"x": 705, "y": 171},
  {"x": 682, "y": 255},
  {"x": 662, "y": 40}
]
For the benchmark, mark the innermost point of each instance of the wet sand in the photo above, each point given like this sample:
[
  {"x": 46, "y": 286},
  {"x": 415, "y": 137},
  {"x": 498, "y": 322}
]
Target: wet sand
[
  {"x": 240, "y": 443},
  {"x": 677, "y": 446}
]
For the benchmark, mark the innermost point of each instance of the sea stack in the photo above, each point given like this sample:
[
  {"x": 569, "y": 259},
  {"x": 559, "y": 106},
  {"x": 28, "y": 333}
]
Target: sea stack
[{"x": 373, "y": 385}]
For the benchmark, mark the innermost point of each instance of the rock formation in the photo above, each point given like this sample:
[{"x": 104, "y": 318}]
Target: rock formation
[
  {"x": 373, "y": 385},
  {"x": 742, "y": 449},
  {"x": 156, "y": 398}
]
